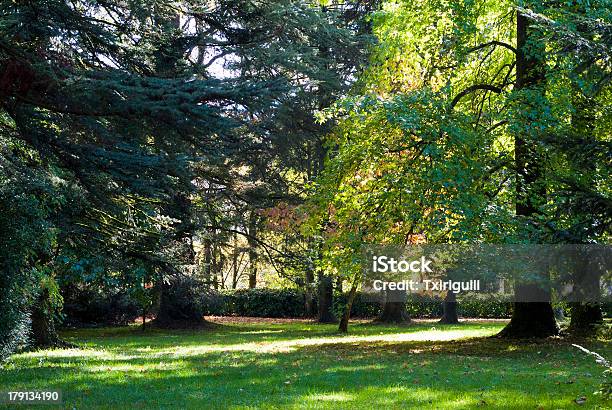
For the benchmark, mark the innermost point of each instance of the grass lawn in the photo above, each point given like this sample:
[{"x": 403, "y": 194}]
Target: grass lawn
[{"x": 261, "y": 364}]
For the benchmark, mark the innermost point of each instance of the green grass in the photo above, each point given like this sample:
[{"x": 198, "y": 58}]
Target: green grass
[{"x": 306, "y": 365}]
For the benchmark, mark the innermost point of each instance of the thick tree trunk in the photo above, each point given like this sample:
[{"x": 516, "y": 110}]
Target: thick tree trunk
[
  {"x": 585, "y": 318},
  {"x": 394, "y": 308},
  {"x": 326, "y": 300},
  {"x": 44, "y": 333},
  {"x": 586, "y": 309},
  {"x": 534, "y": 319},
  {"x": 586, "y": 312},
  {"x": 529, "y": 319},
  {"x": 449, "y": 308}
]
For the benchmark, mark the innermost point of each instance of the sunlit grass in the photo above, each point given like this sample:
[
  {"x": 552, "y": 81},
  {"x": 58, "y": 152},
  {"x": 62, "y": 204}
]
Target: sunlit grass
[{"x": 305, "y": 365}]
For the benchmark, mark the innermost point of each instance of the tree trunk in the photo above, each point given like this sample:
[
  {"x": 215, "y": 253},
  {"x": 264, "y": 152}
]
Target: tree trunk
[
  {"x": 529, "y": 319},
  {"x": 394, "y": 308},
  {"x": 309, "y": 308},
  {"x": 235, "y": 261},
  {"x": 44, "y": 333},
  {"x": 534, "y": 319},
  {"x": 585, "y": 318},
  {"x": 449, "y": 307},
  {"x": 326, "y": 299},
  {"x": 207, "y": 268},
  {"x": 586, "y": 308},
  {"x": 586, "y": 312},
  {"x": 343, "y": 327},
  {"x": 252, "y": 250}
]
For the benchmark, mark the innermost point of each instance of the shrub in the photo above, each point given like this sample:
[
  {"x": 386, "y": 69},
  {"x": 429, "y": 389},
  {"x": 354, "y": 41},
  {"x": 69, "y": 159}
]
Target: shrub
[
  {"x": 182, "y": 302},
  {"x": 363, "y": 306},
  {"x": 84, "y": 306},
  {"x": 485, "y": 306},
  {"x": 25, "y": 237},
  {"x": 286, "y": 303},
  {"x": 87, "y": 306},
  {"x": 281, "y": 303}
]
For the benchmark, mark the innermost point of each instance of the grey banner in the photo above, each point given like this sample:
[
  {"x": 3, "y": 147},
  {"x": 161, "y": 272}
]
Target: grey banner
[{"x": 523, "y": 273}]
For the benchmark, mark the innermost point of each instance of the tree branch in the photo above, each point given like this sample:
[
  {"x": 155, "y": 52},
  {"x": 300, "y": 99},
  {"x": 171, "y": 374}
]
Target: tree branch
[
  {"x": 473, "y": 88},
  {"x": 492, "y": 43}
]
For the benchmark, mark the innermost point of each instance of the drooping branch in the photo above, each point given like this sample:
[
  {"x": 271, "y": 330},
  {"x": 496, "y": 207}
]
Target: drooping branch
[
  {"x": 471, "y": 89},
  {"x": 492, "y": 43}
]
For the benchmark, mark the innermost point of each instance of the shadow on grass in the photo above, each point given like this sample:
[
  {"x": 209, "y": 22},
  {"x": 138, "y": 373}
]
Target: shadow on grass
[{"x": 131, "y": 369}]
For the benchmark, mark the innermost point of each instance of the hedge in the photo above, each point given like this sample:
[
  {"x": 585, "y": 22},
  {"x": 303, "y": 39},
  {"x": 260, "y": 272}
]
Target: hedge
[
  {"x": 287, "y": 303},
  {"x": 90, "y": 307}
]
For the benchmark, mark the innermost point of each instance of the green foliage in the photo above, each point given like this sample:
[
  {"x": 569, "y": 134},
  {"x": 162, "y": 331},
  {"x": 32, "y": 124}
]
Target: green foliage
[
  {"x": 289, "y": 303},
  {"x": 89, "y": 306},
  {"x": 157, "y": 117},
  {"x": 427, "y": 144},
  {"x": 28, "y": 202},
  {"x": 263, "y": 303}
]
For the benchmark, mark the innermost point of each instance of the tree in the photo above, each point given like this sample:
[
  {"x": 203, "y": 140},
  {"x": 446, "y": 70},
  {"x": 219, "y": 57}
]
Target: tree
[
  {"x": 394, "y": 308},
  {"x": 529, "y": 318},
  {"x": 128, "y": 105},
  {"x": 455, "y": 133},
  {"x": 449, "y": 315}
]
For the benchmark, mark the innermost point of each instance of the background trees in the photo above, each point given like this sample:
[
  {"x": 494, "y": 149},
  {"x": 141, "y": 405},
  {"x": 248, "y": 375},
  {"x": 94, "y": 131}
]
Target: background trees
[
  {"x": 161, "y": 148},
  {"x": 158, "y": 118}
]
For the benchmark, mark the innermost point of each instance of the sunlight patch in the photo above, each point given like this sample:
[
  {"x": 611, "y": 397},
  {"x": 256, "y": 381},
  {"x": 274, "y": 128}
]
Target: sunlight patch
[
  {"x": 285, "y": 346},
  {"x": 259, "y": 332},
  {"x": 330, "y": 397}
]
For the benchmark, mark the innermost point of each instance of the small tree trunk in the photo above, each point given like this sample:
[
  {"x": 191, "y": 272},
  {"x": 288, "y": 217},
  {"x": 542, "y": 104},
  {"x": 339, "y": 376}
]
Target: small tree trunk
[
  {"x": 207, "y": 268},
  {"x": 214, "y": 263},
  {"x": 235, "y": 262},
  {"x": 309, "y": 310},
  {"x": 252, "y": 251},
  {"x": 449, "y": 308},
  {"x": 394, "y": 308},
  {"x": 144, "y": 318},
  {"x": 326, "y": 299},
  {"x": 343, "y": 327}
]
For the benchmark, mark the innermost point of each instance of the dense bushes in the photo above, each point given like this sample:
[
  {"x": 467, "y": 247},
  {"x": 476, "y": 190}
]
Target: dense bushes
[
  {"x": 86, "y": 307},
  {"x": 25, "y": 240},
  {"x": 290, "y": 303},
  {"x": 262, "y": 303},
  {"x": 182, "y": 302}
]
